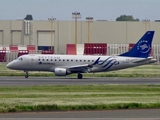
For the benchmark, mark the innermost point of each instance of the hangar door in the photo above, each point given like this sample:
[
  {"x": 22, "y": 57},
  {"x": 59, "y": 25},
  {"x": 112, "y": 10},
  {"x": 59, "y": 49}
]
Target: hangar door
[
  {"x": 16, "y": 37},
  {"x": 44, "y": 39}
]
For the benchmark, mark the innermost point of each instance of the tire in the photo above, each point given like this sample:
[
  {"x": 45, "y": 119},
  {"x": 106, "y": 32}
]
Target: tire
[
  {"x": 26, "y": 76},
  {"x": 80, "y": 76}
]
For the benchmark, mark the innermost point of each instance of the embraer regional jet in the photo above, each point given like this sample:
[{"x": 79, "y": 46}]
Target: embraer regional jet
[{"x": 63, "y": 65}]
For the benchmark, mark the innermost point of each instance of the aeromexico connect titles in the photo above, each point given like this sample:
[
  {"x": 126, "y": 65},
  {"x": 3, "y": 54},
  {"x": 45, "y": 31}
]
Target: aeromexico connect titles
[{"x": 63, "y": 65}]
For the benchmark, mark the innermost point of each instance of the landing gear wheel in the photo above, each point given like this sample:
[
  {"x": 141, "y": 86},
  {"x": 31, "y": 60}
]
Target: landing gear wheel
[
  {"x": 26, "y": 76},
  {"x": 80, "y": 76}
]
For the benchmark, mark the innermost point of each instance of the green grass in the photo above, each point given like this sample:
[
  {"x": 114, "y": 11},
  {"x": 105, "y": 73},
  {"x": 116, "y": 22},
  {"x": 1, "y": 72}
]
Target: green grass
[{"x": 87, "y": 97}]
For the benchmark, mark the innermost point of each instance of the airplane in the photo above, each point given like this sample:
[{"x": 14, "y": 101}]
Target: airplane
[{"x": 63, "y": 65}]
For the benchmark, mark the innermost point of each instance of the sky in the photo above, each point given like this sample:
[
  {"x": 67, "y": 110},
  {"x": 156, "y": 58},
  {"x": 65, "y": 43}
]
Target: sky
[{"x": 63, "y": 9}]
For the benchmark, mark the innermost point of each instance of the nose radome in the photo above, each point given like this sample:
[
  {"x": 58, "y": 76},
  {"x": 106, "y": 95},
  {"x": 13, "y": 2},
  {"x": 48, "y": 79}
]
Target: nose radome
[{"x": 9, "y": 65}]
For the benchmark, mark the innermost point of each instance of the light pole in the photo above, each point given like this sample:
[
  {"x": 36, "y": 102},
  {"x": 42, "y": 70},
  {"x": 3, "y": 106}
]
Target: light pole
[
  {"x": 52, "y": 20},
  {"x": 89, "y": 20},
  {"x": 145, "y": 22},
  {"x": 76, "y": 15}
]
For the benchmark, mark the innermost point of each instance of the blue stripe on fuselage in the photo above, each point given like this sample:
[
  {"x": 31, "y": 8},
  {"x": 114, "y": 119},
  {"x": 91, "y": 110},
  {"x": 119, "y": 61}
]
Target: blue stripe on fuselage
[{"x": 108, "y": 63}]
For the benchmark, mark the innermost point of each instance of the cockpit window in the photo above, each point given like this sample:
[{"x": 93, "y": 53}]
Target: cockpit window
[{"x": 20, "y": 58}]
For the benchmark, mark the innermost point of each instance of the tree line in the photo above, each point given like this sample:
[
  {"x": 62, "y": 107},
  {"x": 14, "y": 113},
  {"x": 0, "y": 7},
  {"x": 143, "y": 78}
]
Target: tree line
[{"x": 120, "y": 18}]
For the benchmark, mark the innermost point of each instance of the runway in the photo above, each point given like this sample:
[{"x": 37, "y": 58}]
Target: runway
[
  {"x": 142, "y": 114},
  {"x": 32, "y": 81}
]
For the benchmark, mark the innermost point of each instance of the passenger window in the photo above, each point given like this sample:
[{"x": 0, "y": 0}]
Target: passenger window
[
  {"x": 39, "y": 59},
  {"x": 55, "y": 60},
  {"x": 63, "y": 60},
  {"x": 47, "y": 59},
  {"x": 88, "y": 60},
  {"x": 67, "y": 60}
]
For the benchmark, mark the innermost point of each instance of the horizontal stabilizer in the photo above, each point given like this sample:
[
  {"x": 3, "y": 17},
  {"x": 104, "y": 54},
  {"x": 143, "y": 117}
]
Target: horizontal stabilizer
[{"x": 149, "y": 59}]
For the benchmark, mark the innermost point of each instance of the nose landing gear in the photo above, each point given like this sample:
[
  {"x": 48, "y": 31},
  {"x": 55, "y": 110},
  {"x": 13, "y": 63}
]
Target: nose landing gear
[{"x": 26, "y": 76}]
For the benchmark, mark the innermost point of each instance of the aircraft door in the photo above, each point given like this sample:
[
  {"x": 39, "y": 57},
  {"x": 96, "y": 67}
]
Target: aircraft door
[{"x": 32, "y": 61}]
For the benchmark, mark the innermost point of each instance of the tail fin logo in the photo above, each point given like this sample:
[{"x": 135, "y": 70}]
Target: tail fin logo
[{"x": 143, "y": 46}]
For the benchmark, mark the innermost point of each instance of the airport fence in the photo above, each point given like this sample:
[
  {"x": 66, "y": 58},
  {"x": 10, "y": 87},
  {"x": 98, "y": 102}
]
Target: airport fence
[{"x": 111, "y": 49}]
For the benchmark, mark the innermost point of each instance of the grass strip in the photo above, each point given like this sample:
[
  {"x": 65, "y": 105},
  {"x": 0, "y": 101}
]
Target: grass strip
[
  {"x": 85, "y": 75},
  {"x": 55, "y": 107},
  {"x": 78, "y": 97}
]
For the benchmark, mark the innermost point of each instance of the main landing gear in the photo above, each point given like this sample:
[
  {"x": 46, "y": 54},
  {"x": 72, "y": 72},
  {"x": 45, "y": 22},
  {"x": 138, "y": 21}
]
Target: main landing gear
[
  {"x": 79, "y": 76},
  {"x": 26, "y": 76}
]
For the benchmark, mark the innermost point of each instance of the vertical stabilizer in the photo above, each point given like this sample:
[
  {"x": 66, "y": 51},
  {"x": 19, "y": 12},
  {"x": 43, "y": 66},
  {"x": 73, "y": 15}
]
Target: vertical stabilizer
[{"x": 142, "y": 48}]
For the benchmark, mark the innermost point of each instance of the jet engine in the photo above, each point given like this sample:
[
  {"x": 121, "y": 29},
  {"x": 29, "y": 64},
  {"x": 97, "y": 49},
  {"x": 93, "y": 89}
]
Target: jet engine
[{"x": 61, "y": 72}]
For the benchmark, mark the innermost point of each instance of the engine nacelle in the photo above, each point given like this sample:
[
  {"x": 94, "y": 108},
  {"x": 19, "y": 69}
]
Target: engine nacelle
[{"x": 60, "y": 71}]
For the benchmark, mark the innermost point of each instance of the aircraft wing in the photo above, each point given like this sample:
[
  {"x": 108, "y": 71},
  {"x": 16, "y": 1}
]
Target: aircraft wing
[
  {"x": 83, "y": 68},
  {"x": 149, "y": 59}
]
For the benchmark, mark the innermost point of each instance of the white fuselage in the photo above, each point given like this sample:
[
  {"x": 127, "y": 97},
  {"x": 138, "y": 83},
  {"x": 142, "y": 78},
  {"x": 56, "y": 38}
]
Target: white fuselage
[{"x": 39, "y": 62}]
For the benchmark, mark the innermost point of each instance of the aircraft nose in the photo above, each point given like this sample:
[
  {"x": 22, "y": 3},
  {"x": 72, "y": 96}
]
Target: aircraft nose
[{"x": 10, "y": 65}]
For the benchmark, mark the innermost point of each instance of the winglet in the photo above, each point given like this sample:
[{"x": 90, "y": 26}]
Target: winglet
[{"x": 142, "y": 47}]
